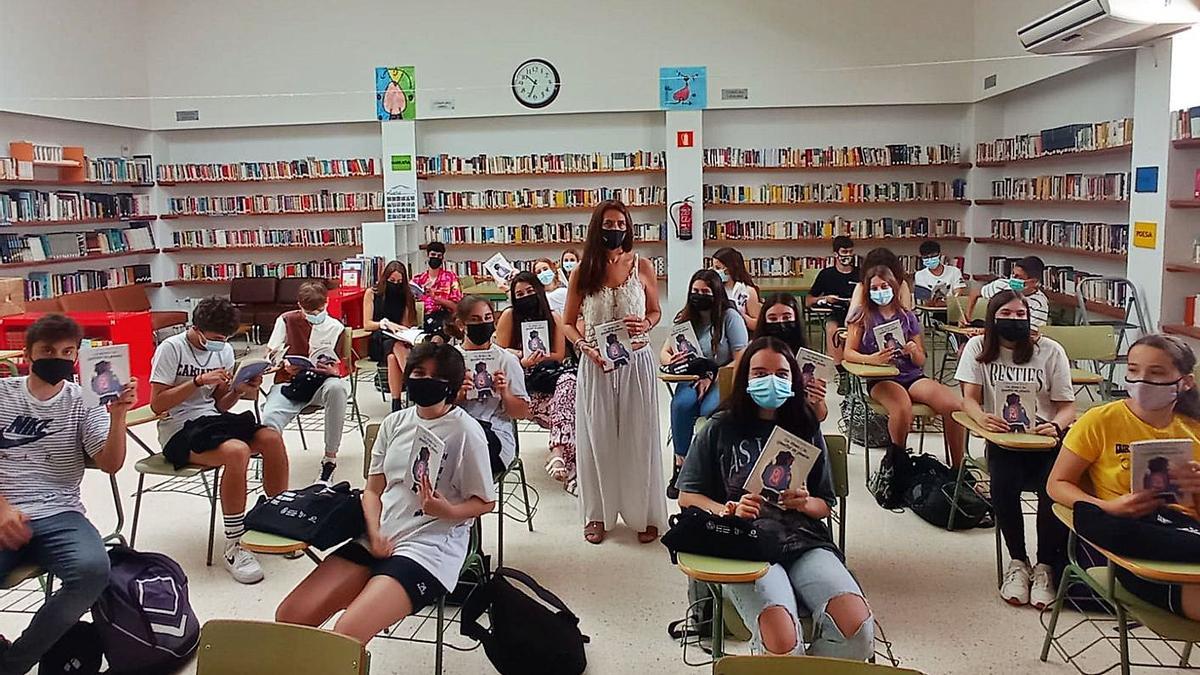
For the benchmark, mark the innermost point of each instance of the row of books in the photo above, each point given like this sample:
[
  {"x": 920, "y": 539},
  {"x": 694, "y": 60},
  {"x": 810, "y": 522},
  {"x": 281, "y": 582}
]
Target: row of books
[
  {"x": 442, "y": 200},
  {"x": 34, "y": 205},
  {"x": 1072, "y": 186},
  {"x": 46, "y": 152},
  {"x": 362, "y": 271},
  {"x": 69, "y": 245},
  {"x": 1185, "y": 123},
  {"x": 1064, "y": 139},
  {"x": 11, "y": 170},
  {"x": 310, "y": 167},
  {"x": 288, "y": 203},
  {"x": 137, "y": 169},
  {"x": 788, "y": 230},
  {"x": 1066, "y": 279},
  {"x": 320, "y": 269},
  {"x": 543, "y": 233},
  {"x": 482, "y": 164},
  {"x": 831, "y": 157},
  {"x": 794, "y": 266},
  {"x": 334, "y": 236},
  {"x": 1098, "y": 237},
  {"x": 475, "y": 268},
  {"x": 809, "y": 193},
  {"x": 43, "y": 285}
]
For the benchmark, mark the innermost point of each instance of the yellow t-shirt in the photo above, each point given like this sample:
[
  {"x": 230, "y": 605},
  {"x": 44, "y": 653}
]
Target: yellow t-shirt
[{"x": 1102, "y": 436}]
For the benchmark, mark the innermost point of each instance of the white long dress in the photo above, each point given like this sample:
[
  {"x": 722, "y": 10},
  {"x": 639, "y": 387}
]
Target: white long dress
[{"x": 619, "y": 451}]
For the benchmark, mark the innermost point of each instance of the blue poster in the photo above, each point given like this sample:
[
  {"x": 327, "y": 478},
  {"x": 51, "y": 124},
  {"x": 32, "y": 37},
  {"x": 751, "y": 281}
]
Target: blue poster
[{"x": 683, "y": 88}]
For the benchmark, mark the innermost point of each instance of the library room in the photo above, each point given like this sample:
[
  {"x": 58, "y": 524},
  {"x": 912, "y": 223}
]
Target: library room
[{"x": 464, "y": 337}]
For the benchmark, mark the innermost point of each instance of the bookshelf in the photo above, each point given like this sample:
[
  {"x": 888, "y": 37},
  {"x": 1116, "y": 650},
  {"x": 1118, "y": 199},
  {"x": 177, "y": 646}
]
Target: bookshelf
[
  {"x": 1117, "y": 150},
  {"x": 826, "y": 241},
  {"x": 1099, "y": 255},
  {"x": 1186, "y": 143},
  {"x": 1053, "y": 202},
  {"x": 541, "y": 174},
  {"x": 77, "y": 259},
  {"x": 1185, "y": 203},
  {"x": 1182, "y": 329},
  {"x": 1065, "y": 299},
  {"x": 251, "y": 249},
  {"x": 78, "y": 221},
  {"x": 711, "y": 168},
  {"x": 532, "y": 209},
  {"x": 538, "y": 165},
  {"x": 1184, "y": 268},
  {"x": 235, "y": 181},
  {"x": 1067, "y": 142},
  {"x": 833, "y": 204}
]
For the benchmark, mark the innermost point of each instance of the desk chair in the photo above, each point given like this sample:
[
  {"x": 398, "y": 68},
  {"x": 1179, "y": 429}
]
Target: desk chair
[
  {"x": 25, "y": 589},
  {"x": 365, "y": 369},
  {"x": 672, "y": 382},
  {"x": 1128, "y": 608},
  {"x": 956, "y": 307},
  {"x": 838, "y": 450},
  {"x": 923, "y": 416},
  {"x": 269, "y": 648},
  {"x": 801, "y": 665},
  {"x": 273, "y": 544},
  {"x": 346, "y": 355},
  {"x": 1095, "y": 345},
  {"x": 514, "y": 475},
  {"x": 715, "y": 573}
]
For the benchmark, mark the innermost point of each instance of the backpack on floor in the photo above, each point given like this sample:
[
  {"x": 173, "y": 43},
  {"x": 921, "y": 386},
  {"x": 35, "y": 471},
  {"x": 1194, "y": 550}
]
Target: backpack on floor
[
  {"x": 145, "y": 621},
  {"x": 851, "y": 424},
  {"x": 77, "y": 652},
  {"x": 930, "y": 494}
]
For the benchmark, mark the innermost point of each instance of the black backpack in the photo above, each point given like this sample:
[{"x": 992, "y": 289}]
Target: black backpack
[
  {"x": 930, "y": 494},
  {"x": 78, "y": 652},
  {"x": 321, "y": 515},
  {"x": 527, "y": 635}
]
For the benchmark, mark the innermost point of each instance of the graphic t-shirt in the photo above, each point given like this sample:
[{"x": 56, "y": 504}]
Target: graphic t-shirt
[
  {"x": 1102, "y": 436},
  {"x": 491, "y": 409},
  {"x": 438, "y": 545},
  {"x": 1049, "y": 369},
  {"x": 950, "y": 280},
  {"x": 176, "y": 361},
  {"x": 740, "y": 295},
  {"x": 44, "y": 445},
  {"x": 445, "y": 286}
]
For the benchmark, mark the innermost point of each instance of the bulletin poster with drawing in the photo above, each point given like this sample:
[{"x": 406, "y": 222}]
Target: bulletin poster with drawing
[
  {"x": 103, "y": 372},
  {"x": 784, "y": 464}
]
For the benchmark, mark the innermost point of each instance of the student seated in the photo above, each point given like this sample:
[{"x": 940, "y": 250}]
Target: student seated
[
  {"x": 554, "y": 411},
  {"x": 389, "y": 306},
  {"x": 1008, "y": 352},
  {"x": 49, "y": 434},
  {"x": 417, "y": 531},
  {"x": 780, "y": 318},
  {"x": 555, "y": 290},
  {"x": 813, "y": 580},
  {"x": 509, "y": 400},
  {"x": 191, "y": 382},
  {"x": 440, "y": 291},
  {"x": 721, "y": 332},
  {"x": 905, "y": 351},
  {"x": 739, "y": 285},
  {"x": 1163, "y": 403},
  {"x": 832, "y": 290},
  {"x": 1026, "y": 280},
  {"x": 940, "y": 281},
  {"x": 874, "y": 258},
  {"x": 309, "y": 331},
  {"x": 566, "y": 265}
]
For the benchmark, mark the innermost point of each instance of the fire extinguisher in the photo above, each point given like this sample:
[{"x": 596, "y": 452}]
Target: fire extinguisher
[{"x": 681, "y": 213}]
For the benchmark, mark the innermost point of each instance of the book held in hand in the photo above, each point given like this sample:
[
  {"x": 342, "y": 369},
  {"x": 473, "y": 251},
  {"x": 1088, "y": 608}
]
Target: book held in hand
[
  {"x": 784, "y": 464},
  {"x": 889, "y": 335},
  {"x": 248, "y": 369},
  {"x": 409, "y": 336},
  {"x": 103, "y": 372},
  {"x": 684, "y": 340},
  {"x": 1016, "y": 404},
  {"x": 614, "y": 343},
  {"x": 535, "y": 337},
  {"x": 499, "y": 268},
  {"x": 814, "y": 366},
  {"x": 1151, "y": 463},
  {"x": 482, "y": 365},
  {"x": 424, "y": 461},
  {"x": 321, "y": 360}
]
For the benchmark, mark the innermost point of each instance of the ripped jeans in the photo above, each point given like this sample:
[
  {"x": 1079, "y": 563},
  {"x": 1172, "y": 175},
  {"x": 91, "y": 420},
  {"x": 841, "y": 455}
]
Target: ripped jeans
[{"x": 804, "y": 588}]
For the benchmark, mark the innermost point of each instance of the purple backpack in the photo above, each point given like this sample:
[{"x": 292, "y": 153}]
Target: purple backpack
[{"x": 146, "y": 623}]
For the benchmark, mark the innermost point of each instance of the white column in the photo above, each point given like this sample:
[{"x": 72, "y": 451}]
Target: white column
[
  {"x": 399, "y": 160},
  {"x": 685, "y": 178}
]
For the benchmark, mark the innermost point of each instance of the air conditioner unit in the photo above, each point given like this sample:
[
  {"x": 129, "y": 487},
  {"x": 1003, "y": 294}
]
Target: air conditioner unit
[{"x": 1083, "y": 25}]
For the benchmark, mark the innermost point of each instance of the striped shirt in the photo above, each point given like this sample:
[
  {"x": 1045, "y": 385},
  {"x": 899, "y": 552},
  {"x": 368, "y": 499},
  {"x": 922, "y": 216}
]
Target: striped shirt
[
  {"x": 1039, "y": 305},
  {"x": 42, "y": 446}
]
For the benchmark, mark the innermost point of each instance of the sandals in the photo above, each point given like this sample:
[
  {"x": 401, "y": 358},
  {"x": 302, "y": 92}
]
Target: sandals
[
  {"x": 572, "y": 486},
  {"x": 648, "y": 535},
  {"x": 556, "y": 468},
  {"x": 593, "y": 532}
]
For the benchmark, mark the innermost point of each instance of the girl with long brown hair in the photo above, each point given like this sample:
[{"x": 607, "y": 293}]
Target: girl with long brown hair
[{"x": 390, "y": 306}]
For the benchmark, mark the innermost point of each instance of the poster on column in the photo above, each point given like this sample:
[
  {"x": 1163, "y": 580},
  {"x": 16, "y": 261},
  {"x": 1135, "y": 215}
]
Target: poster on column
[
  {"x": 683, "y": 87},
  {"x": 399, "y": 171},
  {"x": 395, "y": 93}
]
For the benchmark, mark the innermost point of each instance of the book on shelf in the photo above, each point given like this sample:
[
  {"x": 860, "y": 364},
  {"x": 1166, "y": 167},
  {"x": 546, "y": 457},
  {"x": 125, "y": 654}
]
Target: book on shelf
[
  {"x": 528, "y": 198},
  {"x": 32, "y": 247},
  {"x": 366, "y": 270},
  {"x": 1016, "y": 404},
  {"x": 1067, "y": 280},
  {"x": 43, "y": 285},
  {"x": 794, "y": 266},
  {"x": 103, "y": 373},
  {"x": 566, "y": 234},
  {"x": 482, "y": 164},
  {"x": 294, "y": 169},
  {"x": 1151, "y": 464},
  {"x": 10, "y": 170},
  {"x": 831, "y": 157},
  {"x": 316, "y": 269},
  {"x": 816, "y": 193},
  {"x": 297, "y": 236},
  {"x": 17, "y": 206},
  {"x": 475, "y": 268},
  {"x": 46, "y": 152},
  {"x": 1059, "y": 140},
  {"x": 136, "y": 169},
  {"x": 1071, "y": 186},
  {"x": 1185, "y": 123},
  {"x": 316, "y": 202},
  {"x": 1095, "y": 237},
  {"x": 784, "y": 464},
  {"x": 831, "y": 227}
]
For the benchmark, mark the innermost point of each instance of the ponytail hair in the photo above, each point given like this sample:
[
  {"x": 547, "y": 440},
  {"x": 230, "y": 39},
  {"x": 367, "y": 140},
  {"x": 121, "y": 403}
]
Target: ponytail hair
[
  {"x": 1184, "y": 359},
  {"x": 462, "y": 312}
]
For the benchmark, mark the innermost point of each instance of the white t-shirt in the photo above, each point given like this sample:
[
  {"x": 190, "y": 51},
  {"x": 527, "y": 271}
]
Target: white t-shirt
[
  {"x": 42, "y": 446},
  {"x": 740, "y": 296},
  {"x": 440, "y": 546},
  {"x": 176, "y": 361},
  {"x": 324, "y": 337},
  {"x": 557, "y": 299},
  {"x": 1039, "y": 304},
  {"x": 491, "y": 409},
  {"x": 1048, "y": 368},
  {"x": 951, "y": 279}
]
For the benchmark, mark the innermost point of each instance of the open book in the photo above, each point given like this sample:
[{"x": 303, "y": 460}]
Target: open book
[
  {"x": 784, "y": 464},
  {"x": 1151, "y": 463},
  {"x": 103, "y": 372},
  {"x": 248, "y": 369},
  {"x": 323, "y": 359},
  {"x": 1016, "y": 403},
  {"x": 409, "y": 336}
]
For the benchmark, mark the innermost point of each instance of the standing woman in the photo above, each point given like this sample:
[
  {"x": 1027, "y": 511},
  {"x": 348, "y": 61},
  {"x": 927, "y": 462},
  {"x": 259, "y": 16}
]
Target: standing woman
[
  {"x": 567, "y": 264},
  {"x": 739, "y": 286},
  {"x": 390, "y": 305},
  {"x": 617, "y": 441},
  {"x": 556, "y": 290}
]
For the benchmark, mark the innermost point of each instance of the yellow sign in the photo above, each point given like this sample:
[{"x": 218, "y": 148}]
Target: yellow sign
[{"x": 1145, "y": 234}]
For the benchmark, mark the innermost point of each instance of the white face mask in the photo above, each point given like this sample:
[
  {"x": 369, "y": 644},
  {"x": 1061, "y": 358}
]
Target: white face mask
[{"x": 1153, "y": 395}]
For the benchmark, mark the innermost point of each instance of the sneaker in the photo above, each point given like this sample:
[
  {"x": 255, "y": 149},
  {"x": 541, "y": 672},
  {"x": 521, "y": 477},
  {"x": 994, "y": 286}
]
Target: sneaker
[
  {"x": 1015, "y": 589},
  {"x": 1042, "y": 593},
  {"x": 672, "y": 489},
  {"x": 242, "y": 565},
  {"x": 327, "y": 469}
]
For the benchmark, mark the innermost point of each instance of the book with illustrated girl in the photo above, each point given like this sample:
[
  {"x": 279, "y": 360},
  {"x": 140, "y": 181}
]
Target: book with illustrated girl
[
  {"x": 481, "y": 364},
  {"x": 320, "y": 359},
  {"x": 889, "y": 335},
  {"x": 1151, "y": 463},
  {"x": 500, "y": 268},
  {"x": 614, "y": 343},
  {"x": 814, "y": 366},
  {"x": 784, "y": 464},
  {"x": 1016, "y": 403},
  {"x": 103, "y": 372},
  {"x": 684, "y": 340},
  {"x": 535, "y": 337},
  {"x": 425, "y": 460}
]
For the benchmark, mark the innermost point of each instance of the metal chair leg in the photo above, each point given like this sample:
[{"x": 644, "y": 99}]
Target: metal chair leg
[
  {"x": 300, "y": 426},
  {"x": 137, "y": 510},
  {"x": 718, "y": 625},
  {"x": 500, "y": 523},
  {"x": 525, "y": 491},
  {"x": 1058, "y": 604},
  {"x": 1187, "y": 655},
  {"x": 962, "y": 470},
  {"x": 1123, "y": 627},
  {"x": 441, "y": 631},
  {"x": 213, "y": 497}
]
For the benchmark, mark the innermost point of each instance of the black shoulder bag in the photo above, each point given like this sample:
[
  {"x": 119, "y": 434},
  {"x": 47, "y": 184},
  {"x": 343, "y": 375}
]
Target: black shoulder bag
[
  {"x": 694, "y": 530},
  {"x": 321, "y": 515}
]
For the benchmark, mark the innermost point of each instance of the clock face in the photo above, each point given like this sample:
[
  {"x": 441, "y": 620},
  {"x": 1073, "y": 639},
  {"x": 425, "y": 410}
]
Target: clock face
[{"x": 535, "y": 83}]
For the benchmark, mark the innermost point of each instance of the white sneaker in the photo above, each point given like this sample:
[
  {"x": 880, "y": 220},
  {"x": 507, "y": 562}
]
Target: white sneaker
[
  {"x": 1015, "y": 589},
  {"x": 242, "y": 565},
  {"x": 1042, "y": 593}
]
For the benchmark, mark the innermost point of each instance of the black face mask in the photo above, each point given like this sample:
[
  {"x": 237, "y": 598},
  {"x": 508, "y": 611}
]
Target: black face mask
[
  {"x": 612, "y": 239},
  {"x": 480, "y": 333},
  {"x": 435, "y": 263},
  {"x": 392, "y": 287},
  {"x": 426, "y": 391},
  {"x": 53, "y": 370},
  {"x": 781, "y": 329},
  {"x": 700, "y": 302},
  {"x": 527, "y": 304},
  {"x": 1013, "y": 330}
]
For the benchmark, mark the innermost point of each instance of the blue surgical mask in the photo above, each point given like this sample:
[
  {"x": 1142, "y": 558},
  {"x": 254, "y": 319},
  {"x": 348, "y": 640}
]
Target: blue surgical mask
[
  {"x": 214, "y": 345},
  {"x": 769, "y": 391},
  {"x": 569, "y": 266},
  {"x": 1015, "y": 284},
  {"x": 931, "y": 263},
  {"x": 318, "y": 318},
  {"x": 546, "y": 277},
  {"x": 724, "y": 276},
  {"x": 882, "y": 296}
]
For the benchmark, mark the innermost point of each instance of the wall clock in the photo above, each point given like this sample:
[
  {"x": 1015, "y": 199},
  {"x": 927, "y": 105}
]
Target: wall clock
[{"x": 535, "y": 83}]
